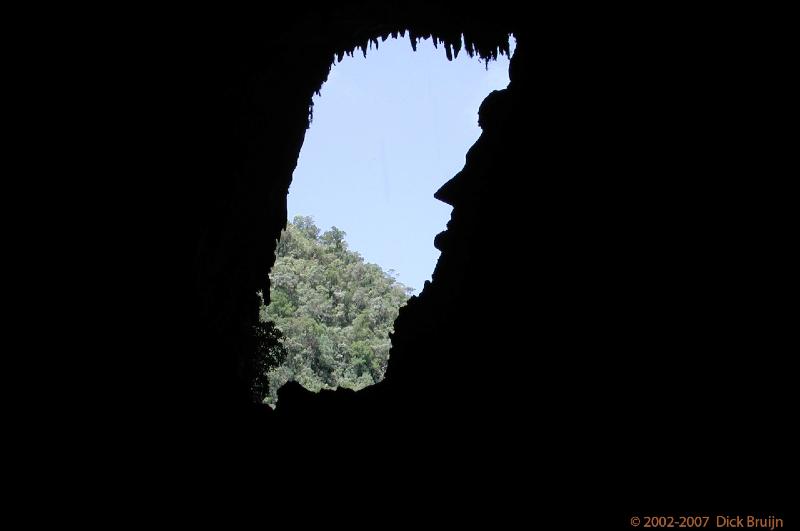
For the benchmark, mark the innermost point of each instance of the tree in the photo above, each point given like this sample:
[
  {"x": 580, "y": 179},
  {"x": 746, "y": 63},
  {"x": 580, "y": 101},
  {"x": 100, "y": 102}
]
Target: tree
[
  {"x": 334, "y": 239},
  {"x": 334, "y": 311},
  {"x": 270, "y": 352}
]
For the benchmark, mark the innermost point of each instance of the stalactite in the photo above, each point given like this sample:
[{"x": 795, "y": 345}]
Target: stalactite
[
  {"x": 505, "y": 47},
  {"x": 453, "y": 42},
  {"x": 469, "y": 45}
]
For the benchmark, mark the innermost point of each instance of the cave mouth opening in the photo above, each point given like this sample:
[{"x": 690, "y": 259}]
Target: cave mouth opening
[{"x": 388, "y": 130}]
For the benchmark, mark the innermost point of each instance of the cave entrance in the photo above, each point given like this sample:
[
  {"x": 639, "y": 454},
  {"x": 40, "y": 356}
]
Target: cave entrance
[{"x": 388, "y": 130}]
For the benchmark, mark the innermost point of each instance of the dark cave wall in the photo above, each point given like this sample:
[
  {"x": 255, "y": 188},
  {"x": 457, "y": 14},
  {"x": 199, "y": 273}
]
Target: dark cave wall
[
  {"x": 267, "y": 109},
  {"x": 629, "y": 288}
]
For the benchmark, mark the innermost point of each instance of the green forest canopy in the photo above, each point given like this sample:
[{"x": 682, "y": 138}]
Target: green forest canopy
[{"x": 334, "y": 310}]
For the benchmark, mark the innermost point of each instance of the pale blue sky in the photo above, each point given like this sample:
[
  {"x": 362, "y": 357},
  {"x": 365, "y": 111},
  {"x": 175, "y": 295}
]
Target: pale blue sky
[{"x": 388, "y": 131}]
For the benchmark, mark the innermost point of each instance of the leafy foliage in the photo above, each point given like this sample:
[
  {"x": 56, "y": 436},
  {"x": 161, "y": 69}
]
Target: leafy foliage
[
  {"x": 335, "y": 311},
  {"x": 270, "y": 353}
]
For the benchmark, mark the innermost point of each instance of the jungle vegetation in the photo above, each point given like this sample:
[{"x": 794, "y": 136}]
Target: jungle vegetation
[{"x": 330, "y": 314}]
